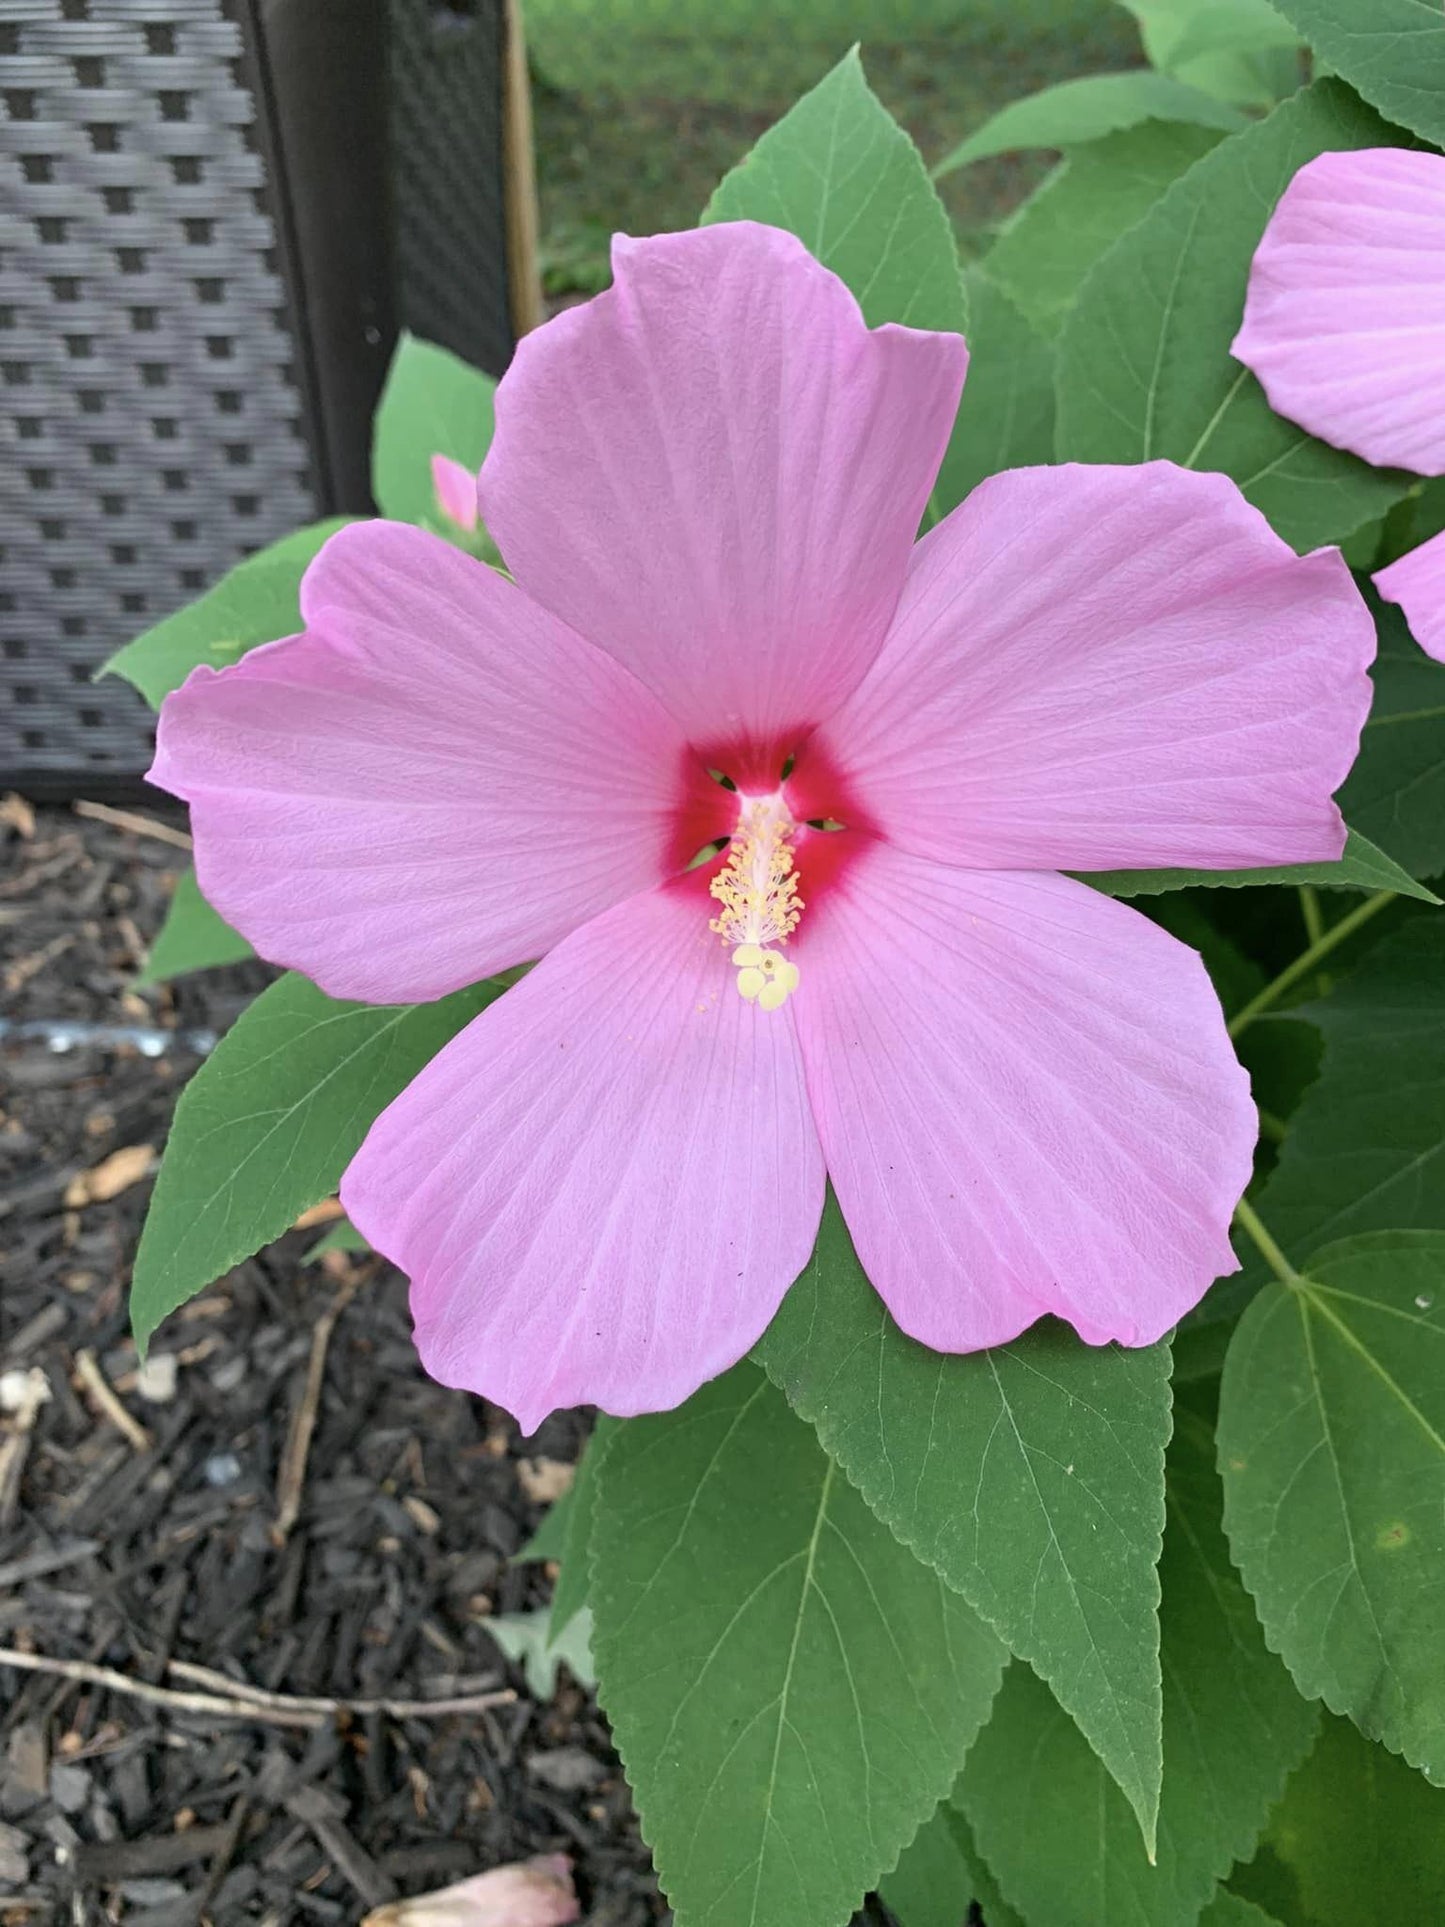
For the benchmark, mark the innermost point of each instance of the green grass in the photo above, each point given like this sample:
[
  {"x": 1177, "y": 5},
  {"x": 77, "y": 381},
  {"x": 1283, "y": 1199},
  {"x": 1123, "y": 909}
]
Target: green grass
[{"x": 642, "y": 105}]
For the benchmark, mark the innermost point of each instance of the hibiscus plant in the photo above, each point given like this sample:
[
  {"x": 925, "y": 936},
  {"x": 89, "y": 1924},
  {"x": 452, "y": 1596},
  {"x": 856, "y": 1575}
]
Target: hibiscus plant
[{"x": 853, "y": 859}]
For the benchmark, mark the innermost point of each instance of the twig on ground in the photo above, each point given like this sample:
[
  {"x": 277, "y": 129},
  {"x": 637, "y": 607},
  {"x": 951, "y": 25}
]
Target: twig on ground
[
  {"x": 242, "y": 1702},
  {"x": 24, "y": 968},
  {"x": 291, "y": 1480},
  {"x": 138, "y": 825},
  {"x": 93, "y": 1381},
  {"x": 28, "y": 1392}
]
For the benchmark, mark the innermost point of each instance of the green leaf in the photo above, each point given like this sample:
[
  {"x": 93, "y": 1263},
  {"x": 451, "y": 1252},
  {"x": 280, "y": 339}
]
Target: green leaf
[
  {"x": 1362, "y": 1836},
  {"x": 574, "y": 1581},
  {"x": 1097, "y": 193},
  {"x": 1144, "y": 364},
  {"x": 932, "y": 1885},
  {"x": 256, "y": 602},
  {"x": 343, "y": 1236},
  {"x": 1362, "y": 867},
  {"x": 1366, "y": 1148},
  {"x": 1237, "y": 50},
  {"x": 193, "y": 937},
  {"x": 1391, "y": 51},
  {"x": 549, "y": 1541},
  {"x": 1031, "y": 1477},
  {"x": 1006, "y": 417},
  {"x": 1231, "y": 27},
  {"x": 1234, "y": 1729},
  {"x": 529, "y": 1641},
  {"x": 1396, "y": 791},
  {"x": 433, "y": 404},
  {"x": 1083, "y": 110},
  {"x": 940, "y": 1873},
  {"x": 791, "y": 1691},
  {"x": 840, "y": 173},
  {"x": 1229, "y": 1910},
  {"x": 268, "y": 1124},
  {"x": 991, "y": 1903},
  {"x": 1332, "y": 1445}
]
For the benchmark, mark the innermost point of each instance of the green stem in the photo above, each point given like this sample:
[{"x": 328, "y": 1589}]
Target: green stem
[
  {"x": 1246, "y": 1215},
  {"x": 1272, "y": 1127},
  {"x": 1309, "y": 903},
  {"x": 1314, "y": 922},
  {"x": 1305, "y": 962}
]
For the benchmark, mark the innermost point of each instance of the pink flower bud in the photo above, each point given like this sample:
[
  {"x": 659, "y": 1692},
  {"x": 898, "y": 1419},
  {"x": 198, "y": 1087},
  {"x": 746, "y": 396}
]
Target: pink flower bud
[{"x": 456, "y": 491}]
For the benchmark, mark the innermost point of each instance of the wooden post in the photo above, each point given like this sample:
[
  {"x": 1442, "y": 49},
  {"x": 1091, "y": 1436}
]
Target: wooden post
[{"x": 519, "y": 183}]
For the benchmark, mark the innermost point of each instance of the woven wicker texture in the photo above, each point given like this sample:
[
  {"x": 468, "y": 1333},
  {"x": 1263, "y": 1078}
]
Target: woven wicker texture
[
  {"x": 150, "y": 432},
  {"x": 445, "y": 86}
]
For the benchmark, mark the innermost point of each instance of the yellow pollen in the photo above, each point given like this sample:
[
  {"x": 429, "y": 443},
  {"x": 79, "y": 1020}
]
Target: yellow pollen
[{"x": 758, "y": 891}]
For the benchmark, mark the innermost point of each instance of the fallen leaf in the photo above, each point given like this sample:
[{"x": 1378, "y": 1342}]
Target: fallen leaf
[
  {"x": 327, "y": 1212},
  {"x": 526, "y": 1639},
  {"x": 111, "y": 1176}
]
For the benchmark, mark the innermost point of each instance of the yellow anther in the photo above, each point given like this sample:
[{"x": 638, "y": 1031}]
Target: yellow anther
[{"x": 751, "y": 982}]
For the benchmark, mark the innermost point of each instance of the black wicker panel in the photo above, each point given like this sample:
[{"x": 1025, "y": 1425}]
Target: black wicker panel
[
  {"x": 150, "y": 429},
  {"x": 445, "y": 81}
]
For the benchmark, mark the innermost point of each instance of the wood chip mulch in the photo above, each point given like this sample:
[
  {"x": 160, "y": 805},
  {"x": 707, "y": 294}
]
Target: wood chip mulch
[{"x": 224, "y": 1641}]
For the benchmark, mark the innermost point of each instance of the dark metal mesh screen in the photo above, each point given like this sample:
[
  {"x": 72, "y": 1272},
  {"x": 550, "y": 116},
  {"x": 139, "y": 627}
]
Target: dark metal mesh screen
[
  {"x": 150, "y": 432},
  {"x": 445, "y": 86}
]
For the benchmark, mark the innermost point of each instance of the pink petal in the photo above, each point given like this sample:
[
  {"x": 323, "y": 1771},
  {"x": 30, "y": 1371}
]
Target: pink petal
[
  {"x": 1345, "y": 319},
  {"x": 524, "y": 1893},
  {"x": 1417, "y": 583},
  {"x": 1027, "y": 1101},
  {"x": 456, "y": 491},
  {"x": 602, "y": 1188},
  {"x": 716, "y": 471},
  {"x": 1099, "y": 668},
  {"x": 436, "y": 781}
]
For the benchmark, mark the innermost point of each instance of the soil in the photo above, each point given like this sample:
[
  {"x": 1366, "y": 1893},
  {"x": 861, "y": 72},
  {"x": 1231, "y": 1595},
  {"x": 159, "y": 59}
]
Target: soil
[{"x": 144, "y": 1538}]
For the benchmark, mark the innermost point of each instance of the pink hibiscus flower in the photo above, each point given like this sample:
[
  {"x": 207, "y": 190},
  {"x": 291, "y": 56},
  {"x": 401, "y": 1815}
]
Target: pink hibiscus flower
[
  {"x": 706, "y": 484},
  {"x": 1345, "y": 327}
]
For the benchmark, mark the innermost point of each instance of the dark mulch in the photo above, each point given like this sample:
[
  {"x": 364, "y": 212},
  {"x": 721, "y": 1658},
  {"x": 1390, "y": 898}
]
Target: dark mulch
[{"x": 112, "y": 1808}]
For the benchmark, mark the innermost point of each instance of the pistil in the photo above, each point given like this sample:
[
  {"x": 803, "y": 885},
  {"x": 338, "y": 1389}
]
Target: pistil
[{"x": 758, "y": 890}]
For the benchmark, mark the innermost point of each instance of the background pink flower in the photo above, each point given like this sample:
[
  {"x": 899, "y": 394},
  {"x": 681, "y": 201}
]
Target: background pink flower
[
  {"x": 455, "y": 487},
  {"x": 1021, "y": 1089},
  {"x": 1345, "y": 326}
]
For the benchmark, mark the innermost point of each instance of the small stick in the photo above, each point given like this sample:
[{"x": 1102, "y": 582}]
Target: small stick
[
  {"x": 138, "y": 825},
  {"x": 398, "y": 1709},
  {"x": 291, "y": 1480},
  {"x": 93, "y": 1380},
  {"x": 83, "y": 1670},
  {"x": 24, "y": 968},
  {"x": 15, "y": 1441},
  {"x": 249, "y": 1702}
]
